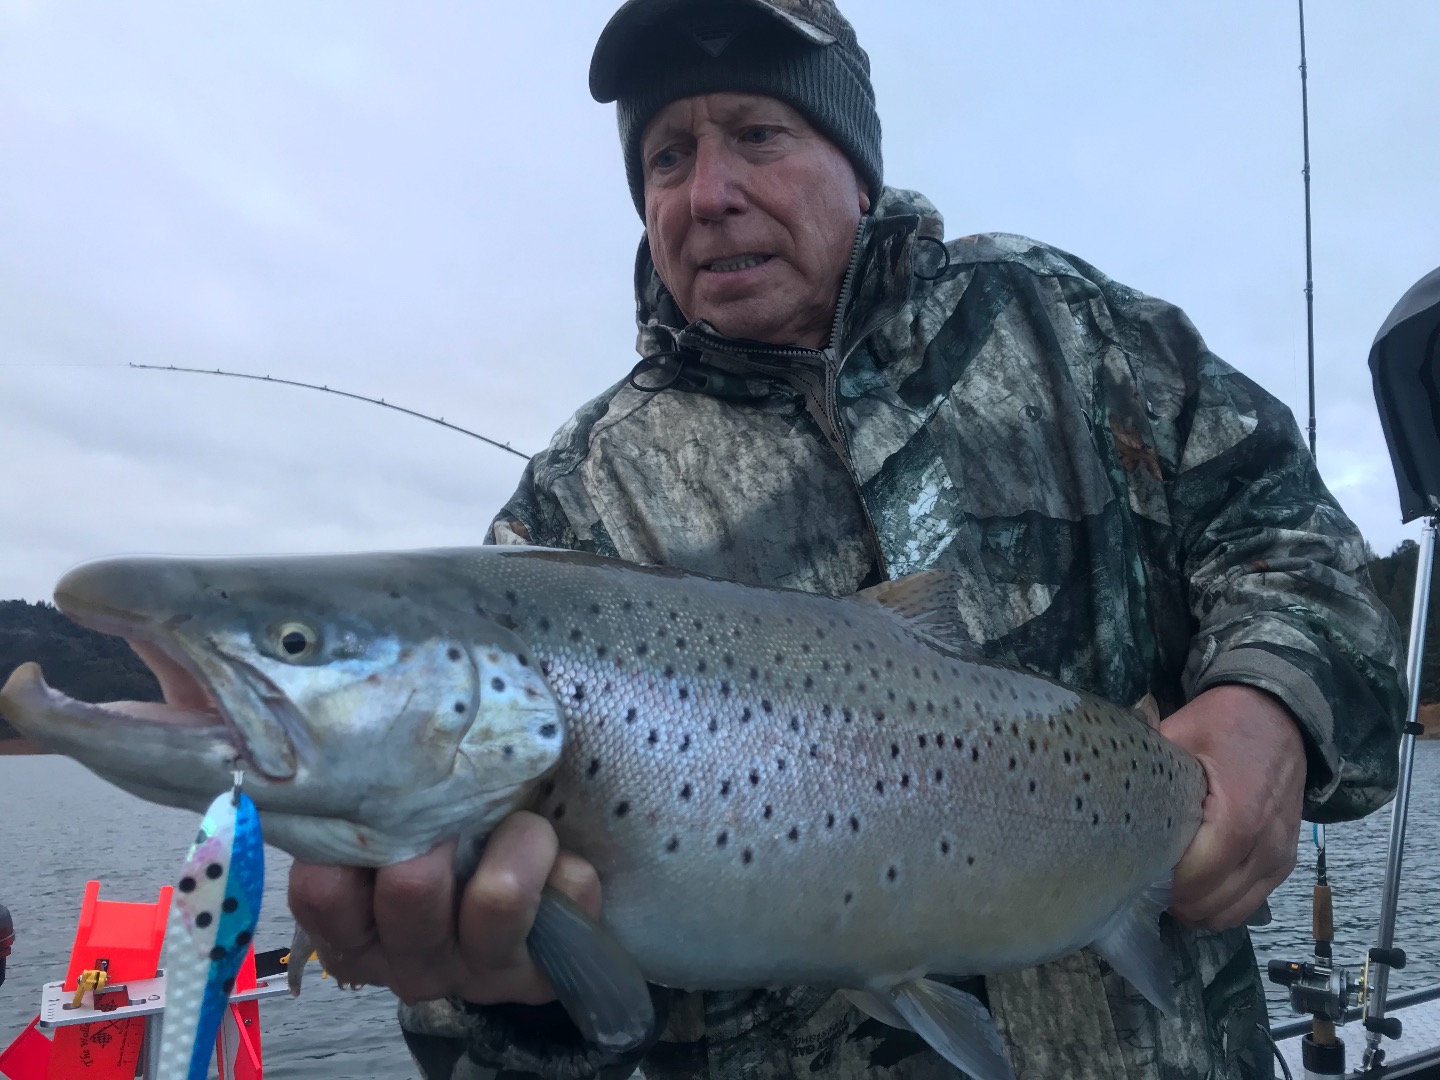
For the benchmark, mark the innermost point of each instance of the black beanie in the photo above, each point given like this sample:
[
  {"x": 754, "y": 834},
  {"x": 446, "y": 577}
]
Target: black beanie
[{"x": 802, "y": 52}]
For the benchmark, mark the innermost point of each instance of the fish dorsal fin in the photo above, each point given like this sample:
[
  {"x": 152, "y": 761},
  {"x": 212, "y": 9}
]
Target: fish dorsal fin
[{"x": 930, "y": 602}]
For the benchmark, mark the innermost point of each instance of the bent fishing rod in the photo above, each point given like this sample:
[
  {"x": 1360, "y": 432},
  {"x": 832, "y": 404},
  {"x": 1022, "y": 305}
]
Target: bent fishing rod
[{"x": 342, "y": 393}]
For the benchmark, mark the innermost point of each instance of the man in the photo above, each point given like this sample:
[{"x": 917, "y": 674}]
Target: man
[{"x": 830, "y": 396}]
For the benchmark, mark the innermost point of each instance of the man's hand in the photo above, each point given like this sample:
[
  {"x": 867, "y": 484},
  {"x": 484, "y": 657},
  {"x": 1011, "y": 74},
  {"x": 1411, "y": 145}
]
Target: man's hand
[
  {"x": 1254, "y": 760},
  {"x": 411, "y": 928}
]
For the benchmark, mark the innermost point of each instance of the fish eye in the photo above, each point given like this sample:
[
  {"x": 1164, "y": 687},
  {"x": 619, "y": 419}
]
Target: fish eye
[{"x": 295, "y": 640}]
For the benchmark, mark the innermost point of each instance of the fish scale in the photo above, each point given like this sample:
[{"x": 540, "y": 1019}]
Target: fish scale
[{"x": 776, "y": 788}]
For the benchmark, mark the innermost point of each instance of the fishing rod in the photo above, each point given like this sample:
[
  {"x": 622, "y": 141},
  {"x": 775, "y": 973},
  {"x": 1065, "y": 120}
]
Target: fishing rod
[{"x": 342, "y": 393}]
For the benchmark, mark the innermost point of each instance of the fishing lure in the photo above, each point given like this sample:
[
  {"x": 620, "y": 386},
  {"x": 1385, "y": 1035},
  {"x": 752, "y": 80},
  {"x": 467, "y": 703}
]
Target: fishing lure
[{"x": 212, "y": 920}]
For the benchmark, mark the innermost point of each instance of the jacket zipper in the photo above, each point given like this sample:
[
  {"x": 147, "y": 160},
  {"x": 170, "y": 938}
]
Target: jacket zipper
[{"x": 821, "y": 401}]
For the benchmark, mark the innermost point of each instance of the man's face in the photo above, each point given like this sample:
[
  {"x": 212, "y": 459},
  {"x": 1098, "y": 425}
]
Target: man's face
[{"x": 751, "y": 215}]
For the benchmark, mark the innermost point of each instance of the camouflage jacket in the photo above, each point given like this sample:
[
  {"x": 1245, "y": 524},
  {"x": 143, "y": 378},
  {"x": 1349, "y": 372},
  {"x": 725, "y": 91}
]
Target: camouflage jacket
[{"x": 1124, "y": 512}]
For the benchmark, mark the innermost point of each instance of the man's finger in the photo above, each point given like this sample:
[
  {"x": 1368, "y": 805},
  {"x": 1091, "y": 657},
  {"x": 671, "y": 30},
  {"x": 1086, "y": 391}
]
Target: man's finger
[
  {"x": 334, "y": 904},
  {"x": 415, "y": 915},
  {"x": 498, "y": 905},
  {"x": 578, "y": 880}
]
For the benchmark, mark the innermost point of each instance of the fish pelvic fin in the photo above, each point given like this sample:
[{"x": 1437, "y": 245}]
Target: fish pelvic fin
[
  {"x": 954, "y": 1023},
  {"x": 1130, "y": 943},
  {"x": 595, "y": 979}
]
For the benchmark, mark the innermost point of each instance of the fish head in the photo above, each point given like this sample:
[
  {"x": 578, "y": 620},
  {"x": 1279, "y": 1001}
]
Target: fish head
[{"x": 373, "y": 710}]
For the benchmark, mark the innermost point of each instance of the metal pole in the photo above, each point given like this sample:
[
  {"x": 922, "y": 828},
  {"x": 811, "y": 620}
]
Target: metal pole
[
  {"x": 1309, "y": 265},
  {"x": 1414, "y": 664}
]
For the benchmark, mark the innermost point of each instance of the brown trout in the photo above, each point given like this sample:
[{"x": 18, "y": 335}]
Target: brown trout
[{"x": 776, "y": 788}]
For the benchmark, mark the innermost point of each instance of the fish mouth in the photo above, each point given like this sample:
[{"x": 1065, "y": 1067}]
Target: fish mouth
[{"x": 256, "y": 726}]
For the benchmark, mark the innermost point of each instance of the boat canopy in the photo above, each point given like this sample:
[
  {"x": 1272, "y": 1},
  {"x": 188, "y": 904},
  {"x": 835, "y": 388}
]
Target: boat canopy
[{"x": 1405, "y": 368}]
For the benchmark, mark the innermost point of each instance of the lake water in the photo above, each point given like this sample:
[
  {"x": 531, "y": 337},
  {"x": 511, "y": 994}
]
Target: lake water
[{"x": 60, "y": 827}]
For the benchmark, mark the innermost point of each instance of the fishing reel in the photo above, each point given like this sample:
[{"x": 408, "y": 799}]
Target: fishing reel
[{"x": 1318, "y": 989}]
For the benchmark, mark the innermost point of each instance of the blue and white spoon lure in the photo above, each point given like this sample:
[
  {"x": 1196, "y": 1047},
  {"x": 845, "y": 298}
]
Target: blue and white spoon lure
[{"x": 212, "y": 920}]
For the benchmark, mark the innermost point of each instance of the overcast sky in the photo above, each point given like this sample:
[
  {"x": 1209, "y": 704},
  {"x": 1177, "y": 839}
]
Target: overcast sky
[{"x": 420, "y": 202}]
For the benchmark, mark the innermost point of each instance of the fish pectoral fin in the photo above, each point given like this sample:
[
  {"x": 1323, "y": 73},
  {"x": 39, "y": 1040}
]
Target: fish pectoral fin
[
  {"x": 300, "y": 949},
  {"x": 1130, "y": 943},
  {"x": 595, "y": 979},
  {"x": 954, "y": 1023}
]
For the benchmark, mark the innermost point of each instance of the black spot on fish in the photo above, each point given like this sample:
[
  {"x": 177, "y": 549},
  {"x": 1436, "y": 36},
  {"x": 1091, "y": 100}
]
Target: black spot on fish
[
  {"x": 728, "y": 660},
  {"x": 686, "y": 792},
  {"x": 854, "y": 824},
  {"x": 685, "y": 744},
  {"x": 545, "y": 667},
  {"x": 879, "y": 714},
  {"x": 944, "y": 847},
  {"x": 849, "y": 897},
  {"x": 724, "y": 689},
  {"x": 669, "y": 672},
  {"x": 1094, "y": 819},
  {"x": 242, "y": 938},
  {"x": 765, "y": 704},
  {"x": 394, "y": 595},
  {"x": 600, "y": 652},
  {"x": 974, "y": 753},
  {"x": 922, "y": 742},
  {"x": 905, "y": 780},
  {"x": 214, "y": 871},
  {"x": 544, "y": 624},
  {"x": 940, "y": 741},
  {"x": 627, "y": 605},
  {"x": 780, "y": 763},
  {"x": 725, "y": 788},
  {"x": 793, "y": 834},
  {"x": 630, "y": 715},
  {"x": 722, "y": 839},
  {"x": 594, "y": 767},
  {"x": 890, "y": 874},
  {"x": 204, "y": 919},
  {"x": 1079, "y": 803},
  {"x": 187, "y": 884},
  {"x": 511, "y": 598},
  {"x": 745, "y": 715},
  {"x": 653, "y": 737},
  {"x": 814, "y": 750},
  {"x": 747, "y": 856},
  {"x": 794, "y": 723},
  {"x": 497, "y": 684},
  {"x": 579, "y": 692},
  {"x": 829, "y": 821},
  {"x": 1085, "y": 777},
  {"x": 459, "y": 707},
  {"x": 939, "y": 775},
  {"x": 1013, "y": 763},
  {"x": 769, "y": 812},
  {"x": 217, "y": 953},
  {"x": 880, "y": 787},
  {"x": 684, "y": 693},
  {"x": 894, "y": 750},
  {"x": 754, "y": 778},
  {"x": 230, "y": 905},
  {"x": 1032, "y": 745},
  {"x": 547, "y": 731},
  {"x": 453, "y": 653},
  {"x": 642, "y": 649},
  {"x": 713, "y": 726},
  {"x": 700, "y": 667},
  {"x": 779, "y": 658},
  {"x": 558, "y": 812},
  {"x": 672, "y": 844},
  {"x": 969, "y": 860},
  {"x": 594, "y": 609},
  {"x": 1067, "y": 757},
  {"x": 1127, "y": 817},
  {"x": 679, "y": 643},
  {"x": 848, "y": 715},
  {"x": 754, "y": 674},
  {"x": 621, "y": 809}
]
